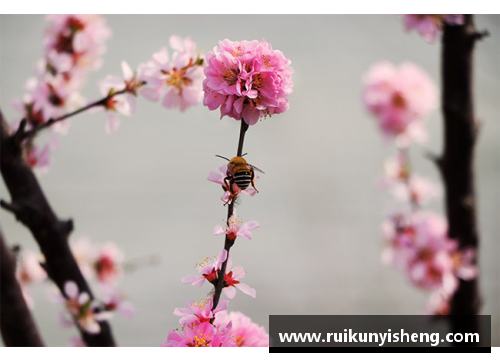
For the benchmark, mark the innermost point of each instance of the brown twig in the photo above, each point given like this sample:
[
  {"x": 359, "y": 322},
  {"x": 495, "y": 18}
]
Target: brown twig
[
  {"x": 457, "y": 162},
  {"x": 228, "y": 243},
  {"x": 31, "y": 208},
  {"x": 99, "y": 103},
  {"x": 16, "y": 323}
]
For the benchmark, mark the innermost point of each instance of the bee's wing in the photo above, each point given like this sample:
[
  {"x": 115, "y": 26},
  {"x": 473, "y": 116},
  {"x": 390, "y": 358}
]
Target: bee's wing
[{"x": 256, "y": 168}]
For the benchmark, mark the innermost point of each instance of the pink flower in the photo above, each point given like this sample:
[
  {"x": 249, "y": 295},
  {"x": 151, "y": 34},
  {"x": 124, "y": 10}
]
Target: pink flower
[
  {"x": 79, "y": 38},
  {"x": 210, "y": 272},
  {"x": 399, "y": 98},
  {"x": 114, "y": 300},
  {"x": 82, "y": 309},
  {"x": 247, "y": 80},
  {"x": 201, "y": 335},
  {"x": 123, "y": 103},
  {"x": 219, "y": 179},
  {"x": 179, "y": 79},
  {"x": 107, "y": 263},
  {"x": 83, "y": 251},
  {"x": 416, "y": 189},
  {"x": 199, "y": 312},
  {"x": 438, "y": 304},
  {"x": 430, "y": 25},
  {"x": 29, "y": 269},
  {"x": 235, "y": 229},
  {"x": 245, "y": 332},
  {"x": 40, "y": 158}
]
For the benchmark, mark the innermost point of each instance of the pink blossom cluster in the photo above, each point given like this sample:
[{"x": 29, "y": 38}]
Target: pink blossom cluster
[
  {"x": 418, "y": 244},
  {"x": 205, "y": 326},
  {"x": 73, "y": 46},
  {"x": 176, "y": 80},
  {"x": 400, "y": 98},
  {"x": 430, "y": 25},
  {"x": 247, "y": 80}
]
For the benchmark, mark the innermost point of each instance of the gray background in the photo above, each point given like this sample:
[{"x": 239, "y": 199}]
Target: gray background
[{"x": 318, "y": 248}]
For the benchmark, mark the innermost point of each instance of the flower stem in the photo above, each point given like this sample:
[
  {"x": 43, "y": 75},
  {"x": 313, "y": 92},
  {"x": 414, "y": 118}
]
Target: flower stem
[{"x": 228, "y": 243}]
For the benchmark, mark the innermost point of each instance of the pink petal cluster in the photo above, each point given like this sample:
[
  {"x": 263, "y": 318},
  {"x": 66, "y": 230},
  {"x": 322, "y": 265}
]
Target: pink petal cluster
[
  {"x": 123, "y": 103},
  {"x": 101, "y": 262},
  {"x": 419, "y": 244},
  {"x": 73, "y": 46},
  {"x": 201, "y": 335},
  {"x": 418, "y": 190},
  {"x": 399, "y": 98},
  {"x": 218, "y": 177},
  {"x": 197, "y": 330},
  {"x": 245, "y": 332},
  {"x": 176, "y": 80},
  {"x": 247, "y": 80},
  {"x": 234, "y": 228},
  {"x": 81, "y": 309},
  {"x": 209, "y": 270},
  {"x": 430, "y": 25}
]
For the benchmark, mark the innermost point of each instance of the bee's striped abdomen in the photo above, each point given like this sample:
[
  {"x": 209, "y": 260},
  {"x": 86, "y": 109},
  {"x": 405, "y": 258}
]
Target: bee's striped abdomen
[{"x": 242, "y": 179}]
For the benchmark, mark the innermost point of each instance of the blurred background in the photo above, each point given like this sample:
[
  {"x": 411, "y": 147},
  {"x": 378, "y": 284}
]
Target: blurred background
[{"x": 319, "y": 245}]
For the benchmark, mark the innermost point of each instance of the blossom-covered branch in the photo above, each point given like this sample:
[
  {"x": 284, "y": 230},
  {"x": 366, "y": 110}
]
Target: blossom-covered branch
[
  {"x": 30, "y": 206},
  {"x": 16, "y": 323}
]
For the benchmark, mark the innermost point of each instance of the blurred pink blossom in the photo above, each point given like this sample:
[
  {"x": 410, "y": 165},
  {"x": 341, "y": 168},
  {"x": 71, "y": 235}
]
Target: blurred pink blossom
[
  {"x": 245, "y": 332},
  {"x": 29, "y": 269},
  {"x": 430, "y": 25},
  {"x": 399, "y": 98},
  {"x": 79, "y": 38},
  {"x": 113, "y": 300},
  {"x": 107, "y": 263},
  {"x": 247, "y": 80},
  {"x": 178, "y": 80},
  {"x": 82, "y": 309},
  {"x": 417, "y": 189},
  {"x": 235, "y": 229}
]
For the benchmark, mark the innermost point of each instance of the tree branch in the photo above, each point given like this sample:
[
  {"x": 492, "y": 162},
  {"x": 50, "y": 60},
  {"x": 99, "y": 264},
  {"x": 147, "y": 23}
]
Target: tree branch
[
  {"x": 31, "y": 208},
  {"x": 16, "y": 323},
  {"x": 460, "y": 131}
]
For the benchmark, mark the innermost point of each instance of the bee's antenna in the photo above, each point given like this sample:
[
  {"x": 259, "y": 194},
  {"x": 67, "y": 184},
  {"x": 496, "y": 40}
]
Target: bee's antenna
[
  {"x": 223, "y": 157},
  {"x": 244, "y": 154}
]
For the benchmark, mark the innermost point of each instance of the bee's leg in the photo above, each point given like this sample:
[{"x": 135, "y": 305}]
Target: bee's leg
[
  {"x": 229, "y": 188},
  {"x": 252, "y": 174}
]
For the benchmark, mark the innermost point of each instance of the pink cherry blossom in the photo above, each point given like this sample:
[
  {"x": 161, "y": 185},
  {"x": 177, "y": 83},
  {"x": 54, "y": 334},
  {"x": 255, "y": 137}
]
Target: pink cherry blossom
[
  {"x": 201, "y": 335},
  {"x": 417, "y": 189},
  {"x": 84, "y": 253},
  {"x": 199, "y": 312},
  {"x": 79, "y": 38},
  {"x": 235, "y": 229},
  {"x": 123, "y": 103},
  {"x": 29, "y": 269},
  {"x": 210, "y": 272},
  {"x": 430, "y": 25},
  {"x": 438, "y": 304},
  {"x": 81, "y": 309},
  {"x": 399, "y": 98},
  {"x": 107, "y": 263},
  {"x": 245, "y": 332},
  {"x": 218, "y": 177},
  {"x": 113, "y": 300},
  {"x": 247, "y": 80},
  {"x": 178, "y": 80}
]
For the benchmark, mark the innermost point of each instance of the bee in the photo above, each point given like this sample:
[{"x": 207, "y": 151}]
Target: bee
[{"x": 241, "y": 173}]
